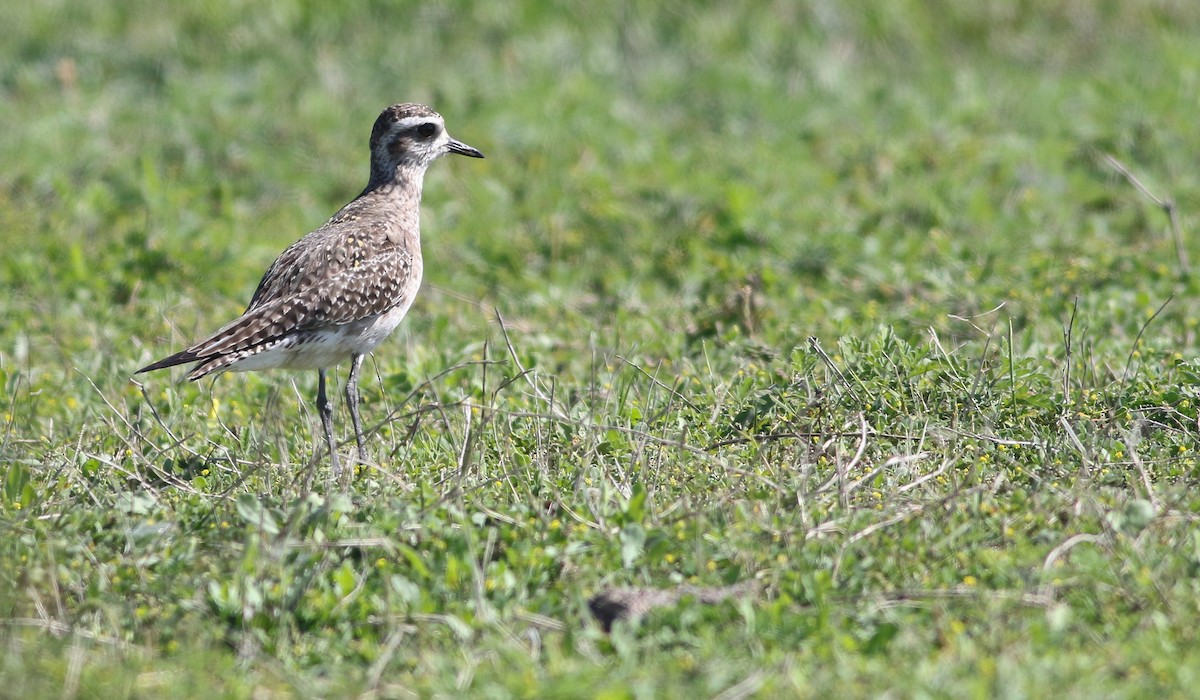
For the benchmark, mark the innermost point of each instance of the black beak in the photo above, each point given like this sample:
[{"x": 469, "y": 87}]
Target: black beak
[{"x": 462, "y": 149}]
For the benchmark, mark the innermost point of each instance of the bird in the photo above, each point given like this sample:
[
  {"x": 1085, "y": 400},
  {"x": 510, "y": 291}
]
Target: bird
[{"x": 336, "y": 293}]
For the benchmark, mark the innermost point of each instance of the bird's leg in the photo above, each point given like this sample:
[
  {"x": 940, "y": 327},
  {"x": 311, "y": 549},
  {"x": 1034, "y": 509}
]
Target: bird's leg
[
  {"x": 326, "y": 412},
  {"x": 352, "y": 400}
]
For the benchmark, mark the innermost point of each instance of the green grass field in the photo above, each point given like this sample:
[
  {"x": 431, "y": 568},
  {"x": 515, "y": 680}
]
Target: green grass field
[{"x": 977, "y": 479}]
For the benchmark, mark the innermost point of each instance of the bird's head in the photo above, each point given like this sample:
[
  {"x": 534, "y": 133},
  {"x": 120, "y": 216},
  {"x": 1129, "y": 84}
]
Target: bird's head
[{"x": 411, "y": 136}]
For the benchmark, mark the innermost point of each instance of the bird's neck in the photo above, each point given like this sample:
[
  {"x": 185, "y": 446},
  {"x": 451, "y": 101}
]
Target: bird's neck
[
  {"x": 403, "y": 181},
  {"x": 394, "y": 202}
]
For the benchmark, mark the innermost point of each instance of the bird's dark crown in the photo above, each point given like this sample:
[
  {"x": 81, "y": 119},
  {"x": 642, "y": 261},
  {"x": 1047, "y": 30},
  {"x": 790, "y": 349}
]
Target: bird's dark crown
[
  {"x": 395, "y": 114},
  {"x": 406, "y": 138}
]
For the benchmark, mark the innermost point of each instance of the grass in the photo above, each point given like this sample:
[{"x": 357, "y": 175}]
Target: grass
[{"x": 977, "y": 478}]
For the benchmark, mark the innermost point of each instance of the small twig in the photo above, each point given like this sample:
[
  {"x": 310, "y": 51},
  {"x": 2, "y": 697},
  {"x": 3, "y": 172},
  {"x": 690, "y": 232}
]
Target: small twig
[
  {"x": 969, "y": 319},
  {"x": 154, "y": 410},
  {"x": 1130, "y": 441},
  {"x": 992, "y": 439},
  {"x": 529, "y": 378},
  {"x": 904, "y": 514},
  {"x": 12, "y": 411},
  {"x": 931, "y": 475},
  {"x": 1166, "y": 204},
  {"x": 59, "y": 629},
  {"x": 467, "y": 451},
  {"x": 990, "y": 333},
  {"x": 891, "y": 462},
  {"x": 745, "y": 688},
  {"x": 815, "y": 345},
  {"x": 896, "y": 597},
  {"x": 399, "y": 412},
  {"x": 1047, "y": 589},
  {"x": 1012, "y": 376},
  {"x": 1136, "y": 340},
  {"x": 1074, "y": 437},
  {"x": 391, "y": 643},
  {"x": 626, "y": 430},
  {"x": 844, "y": 469},
  {"x": 801, "y": 435},
  {"x": 1068, "y": 338},
  {"x": 658, "y": 382}
]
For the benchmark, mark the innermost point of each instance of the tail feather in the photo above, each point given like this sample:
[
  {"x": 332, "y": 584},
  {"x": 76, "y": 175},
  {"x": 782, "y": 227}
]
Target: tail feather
[
  {"x": 205, "y": 364},
  {"x": 179, "y": 358},
  {"x": 259, "y": 328}
]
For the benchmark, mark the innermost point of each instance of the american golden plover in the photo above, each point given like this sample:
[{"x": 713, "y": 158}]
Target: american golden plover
[{"x": 340, "y": 290}]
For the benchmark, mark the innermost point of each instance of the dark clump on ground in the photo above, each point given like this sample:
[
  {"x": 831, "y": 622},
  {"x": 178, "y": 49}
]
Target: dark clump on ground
[{"x": 635, "y": 601}]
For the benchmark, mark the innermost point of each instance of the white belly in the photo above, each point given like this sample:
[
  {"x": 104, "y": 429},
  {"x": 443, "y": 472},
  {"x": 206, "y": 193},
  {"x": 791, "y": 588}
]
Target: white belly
[{"x": 325, "y": 348}]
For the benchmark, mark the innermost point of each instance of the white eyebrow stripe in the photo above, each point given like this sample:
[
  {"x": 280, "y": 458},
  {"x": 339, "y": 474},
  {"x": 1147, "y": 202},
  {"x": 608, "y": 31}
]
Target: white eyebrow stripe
[{"x": 409, "y": 122}]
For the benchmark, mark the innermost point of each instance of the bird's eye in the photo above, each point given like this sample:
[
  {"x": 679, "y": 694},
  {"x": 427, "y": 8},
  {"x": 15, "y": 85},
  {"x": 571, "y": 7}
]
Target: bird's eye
[{"x": 427, "y": 130}]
